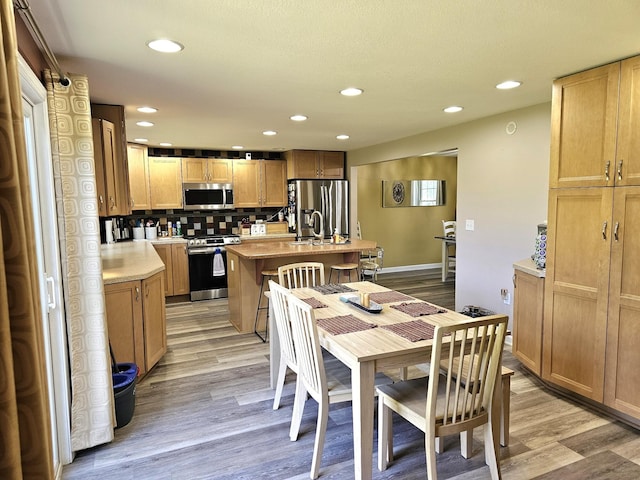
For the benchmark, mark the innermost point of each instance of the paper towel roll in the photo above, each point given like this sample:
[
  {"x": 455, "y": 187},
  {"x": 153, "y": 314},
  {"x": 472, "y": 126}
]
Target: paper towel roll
[{"x": 108, "y": 231}]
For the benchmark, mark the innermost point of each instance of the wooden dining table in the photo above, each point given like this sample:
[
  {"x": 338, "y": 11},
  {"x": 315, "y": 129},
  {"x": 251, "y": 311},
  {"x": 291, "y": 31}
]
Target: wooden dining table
[{"x": 382, "y": 345}]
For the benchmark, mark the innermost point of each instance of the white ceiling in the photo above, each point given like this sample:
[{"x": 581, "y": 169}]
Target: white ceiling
[{"x": 248, "y": 65}]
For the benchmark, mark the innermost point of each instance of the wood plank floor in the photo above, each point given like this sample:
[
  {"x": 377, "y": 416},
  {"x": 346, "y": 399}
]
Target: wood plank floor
[{"x": 205, "y": 413}]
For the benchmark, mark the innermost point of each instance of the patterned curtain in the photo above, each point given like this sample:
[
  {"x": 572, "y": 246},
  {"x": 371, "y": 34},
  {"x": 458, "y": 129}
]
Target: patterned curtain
[
  {"x": 92, "y": 404},
  {"x": 25, "y": 429}
]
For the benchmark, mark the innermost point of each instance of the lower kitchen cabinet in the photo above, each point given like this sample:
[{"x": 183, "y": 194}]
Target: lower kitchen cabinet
[
  {"x": 136, "y": 321},
  {"x": 528, "y": 308},
  {"x": 176, "y": 262}
]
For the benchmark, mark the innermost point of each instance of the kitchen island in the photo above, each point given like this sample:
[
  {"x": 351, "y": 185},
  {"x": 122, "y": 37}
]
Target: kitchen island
[{"x": 245, "y": 263}]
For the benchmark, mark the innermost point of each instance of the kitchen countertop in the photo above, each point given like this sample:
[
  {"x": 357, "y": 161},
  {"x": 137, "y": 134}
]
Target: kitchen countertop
[
  {"x": 165, "y": 240},
  {"x": 527, "y": 266},
  {"x": 126, "y": 261},
  {"x": 277, "y": 249},
  {"x": 268, "y": 236}
]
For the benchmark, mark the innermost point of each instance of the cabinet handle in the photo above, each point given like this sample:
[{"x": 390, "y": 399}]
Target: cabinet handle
[
  {"x": 132, "y": 202},
  {"x": 101, "y": 198},
  {"x": 514, "y": 281},
  {"x": 615, "y": 231},
  {"x": 604, "y": 230},
  {"x": 146, "y": 291},
  {"x": 620, "y": 170},
  {"x": 137, "y": 294},
  {"x": 606, "y": 171}
]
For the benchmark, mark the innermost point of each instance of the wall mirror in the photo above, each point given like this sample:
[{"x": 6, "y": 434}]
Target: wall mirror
[{"x": 413, "y": 193}]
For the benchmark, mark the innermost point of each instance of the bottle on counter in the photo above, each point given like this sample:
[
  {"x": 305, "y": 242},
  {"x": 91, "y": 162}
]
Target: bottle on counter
[
  {"x": 169, "y": 229},
  {"x": 178, "y": 231}
]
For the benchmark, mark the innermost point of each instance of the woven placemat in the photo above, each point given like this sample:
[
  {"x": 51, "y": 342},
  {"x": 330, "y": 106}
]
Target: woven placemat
[
  {"x": 344, "y": 324},
  {"x": 314, "y": 302},
  {"x": 414, "y": 331},
  {"x": 388, "y": 297},
  {"x": 330, "y": 288},
  {"x": 417, "y": 309}
]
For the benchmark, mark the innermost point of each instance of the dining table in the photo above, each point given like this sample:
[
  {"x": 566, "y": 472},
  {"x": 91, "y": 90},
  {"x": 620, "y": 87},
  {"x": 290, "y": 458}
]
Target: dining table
[{"x": 393, "y": 333}]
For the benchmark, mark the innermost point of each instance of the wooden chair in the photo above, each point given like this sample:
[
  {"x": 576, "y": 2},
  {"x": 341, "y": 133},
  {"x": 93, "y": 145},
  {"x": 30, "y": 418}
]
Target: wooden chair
[
  {"x": 303, "y": 274},
  {"x": 312, "y": 377},
  {"x": 371, "y": 263},
  {"x": 449, "y": 230},
  {"x": 451, "y": 402}
]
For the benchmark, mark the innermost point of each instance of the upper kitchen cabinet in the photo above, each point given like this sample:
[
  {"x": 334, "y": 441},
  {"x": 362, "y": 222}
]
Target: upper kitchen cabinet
[
  {"x": 139, "y": 191},
  {"x": 165, "y": 182},
  {"x": 110, "y": 153},
  {"x": 594, "y": 127},
  {"x": 310, "y": 164},
  {"x": 259, "y": 183},
  {"x": 207, "y": 170}
]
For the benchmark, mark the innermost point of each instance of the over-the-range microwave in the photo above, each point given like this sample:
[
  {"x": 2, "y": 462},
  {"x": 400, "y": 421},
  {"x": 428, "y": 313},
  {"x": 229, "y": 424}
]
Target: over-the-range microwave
[{"x": 207, "y": 196}]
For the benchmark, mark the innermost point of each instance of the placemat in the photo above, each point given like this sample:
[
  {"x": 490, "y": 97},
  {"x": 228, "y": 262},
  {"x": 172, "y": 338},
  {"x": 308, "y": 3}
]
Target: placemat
[
  {"x": 414, "y": 331},
  {"x": 344, "y": 324},
  {"x": 330, "y": 288},
  {"x": 314, "y": 302},
  {"x": 417, "y": 309},
  {"x": 388, "y": 297}
]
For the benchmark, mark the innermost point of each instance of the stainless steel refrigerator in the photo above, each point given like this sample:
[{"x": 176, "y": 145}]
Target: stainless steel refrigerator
[{"x": 329, "y": 197}]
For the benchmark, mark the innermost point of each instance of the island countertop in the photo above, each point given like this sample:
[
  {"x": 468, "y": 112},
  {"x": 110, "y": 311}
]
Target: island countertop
[
  {"x": 122, "y": 262},
  {"x": 288, "y": 248}
]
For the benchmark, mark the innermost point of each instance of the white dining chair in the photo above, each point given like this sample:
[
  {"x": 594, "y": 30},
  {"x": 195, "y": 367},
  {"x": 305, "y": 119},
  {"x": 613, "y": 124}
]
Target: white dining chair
[{"x": 301, "y": 274}]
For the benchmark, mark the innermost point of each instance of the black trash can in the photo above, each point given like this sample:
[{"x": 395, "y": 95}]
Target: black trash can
[
  {"x": 124, "y": 391},
  {"x": 476, "y": 312}
]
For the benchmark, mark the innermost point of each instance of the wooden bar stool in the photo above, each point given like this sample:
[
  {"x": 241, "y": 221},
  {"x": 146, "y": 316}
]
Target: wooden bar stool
[
  {"x": 266, "y": 276},
  {"x": 345, "y": 269}
]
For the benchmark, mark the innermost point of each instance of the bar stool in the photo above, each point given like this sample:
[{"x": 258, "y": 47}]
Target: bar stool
[
  {"x": 345, "y": 269},
  {"x": 266, "y": 276}
]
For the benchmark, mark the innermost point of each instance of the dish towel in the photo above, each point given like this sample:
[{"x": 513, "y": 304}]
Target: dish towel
[{"x": 218, "y": 264}]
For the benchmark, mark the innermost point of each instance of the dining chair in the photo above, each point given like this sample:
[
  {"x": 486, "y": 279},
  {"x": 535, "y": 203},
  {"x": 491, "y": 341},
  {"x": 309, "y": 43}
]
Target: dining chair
[
  {"x": 302, "y": 274},
  {"x": 449, "y": 230},
  {"x": 451, "y": 401}
]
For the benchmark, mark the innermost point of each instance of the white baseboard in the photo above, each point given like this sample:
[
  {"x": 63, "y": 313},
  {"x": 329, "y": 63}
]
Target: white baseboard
[{"x": 409, "y": 268}]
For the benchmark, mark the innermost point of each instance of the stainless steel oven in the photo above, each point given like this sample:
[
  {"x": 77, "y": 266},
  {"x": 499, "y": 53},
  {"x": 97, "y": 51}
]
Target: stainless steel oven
[{"x": 208, "y": 266}]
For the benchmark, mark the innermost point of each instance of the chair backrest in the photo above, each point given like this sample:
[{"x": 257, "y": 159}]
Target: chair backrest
[
  {"x": 372, "y": 259},
  {"x": 307, "y": 347},
  {"x": 449, "y": 228},
  {"x": 466, "y": 391},
  {"x": 281, "y": 314},
  {"x": 303, "y": 274}
]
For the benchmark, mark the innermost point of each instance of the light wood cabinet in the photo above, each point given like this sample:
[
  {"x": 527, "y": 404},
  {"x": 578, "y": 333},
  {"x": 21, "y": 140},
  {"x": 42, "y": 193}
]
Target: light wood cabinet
[
  {"x": 208, "y": 170},
  {"x": 110, "y": 154},
  {"x": 139, "y": 191},
  {"x": 595, "y": 127},
  {"x": 176, "y": 273},
  {"x": 528, "y": 304},
  {"x": 165, "y": 181},
  {"x": 136, "y": 321},
  {"x": 312, "y": 164},
  {"x": 259, "y": 183}
]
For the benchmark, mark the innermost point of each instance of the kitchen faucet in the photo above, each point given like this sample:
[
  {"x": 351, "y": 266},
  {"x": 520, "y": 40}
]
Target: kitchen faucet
[{"x": 319, "y": 235}]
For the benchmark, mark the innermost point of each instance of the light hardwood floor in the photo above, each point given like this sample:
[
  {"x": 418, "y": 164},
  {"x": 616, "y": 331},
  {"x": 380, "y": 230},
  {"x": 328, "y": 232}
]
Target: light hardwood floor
[{"x": 205, "y": 413}]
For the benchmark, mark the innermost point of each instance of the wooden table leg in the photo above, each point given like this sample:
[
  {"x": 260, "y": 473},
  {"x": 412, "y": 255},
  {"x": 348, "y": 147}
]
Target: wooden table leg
[{"x": 362, "y": 384}]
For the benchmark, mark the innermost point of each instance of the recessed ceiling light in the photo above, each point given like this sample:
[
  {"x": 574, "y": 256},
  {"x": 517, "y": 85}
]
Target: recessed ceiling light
[
  {"x": 237, "y": 147},
  {"x": 147, "y": 110},
  {"x": 453, "y": 109},
  {"x": 144, "y": 124},
  {"x": 140, "y": 140},
  {"x": 165, "y": 144},
  {"x": 508, "y": 84},
  {"x": 269, "y": 132},
  {"x": 342, "y": 137},
  {"x": 298, "y": 118},
  {"x": 165, "y": 45},
  {"x": 351, "y": 92}
]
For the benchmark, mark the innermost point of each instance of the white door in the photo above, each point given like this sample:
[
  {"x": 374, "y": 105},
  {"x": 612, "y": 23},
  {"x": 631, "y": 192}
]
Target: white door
[{"x": 48, "y": 260}]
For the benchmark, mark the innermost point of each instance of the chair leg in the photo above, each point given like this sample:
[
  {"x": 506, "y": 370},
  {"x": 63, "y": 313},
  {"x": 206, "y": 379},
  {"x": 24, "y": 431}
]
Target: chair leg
[
  {"x": 255, "y": 325},
  {"x": 298, "y": 409},
  {"x": 321, "y": 431},
  {"x": 505, "y": 406},
  {"x": 282, "y": 373},
  {"x": 430, "y": 452},
  {"x": 438, "y": 445},
  {"x": 490, "y": 454},
  {"x": 466, "y": 443},
  {"x": 385, "y": 435}
]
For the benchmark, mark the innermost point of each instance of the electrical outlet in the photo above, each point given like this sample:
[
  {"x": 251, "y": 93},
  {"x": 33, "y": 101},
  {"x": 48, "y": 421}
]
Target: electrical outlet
[
  {"x": 470, "y": 225},
  {"x": 506, "y": 296}
]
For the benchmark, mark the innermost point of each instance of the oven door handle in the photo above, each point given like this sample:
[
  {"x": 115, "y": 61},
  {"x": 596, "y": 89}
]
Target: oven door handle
[{"x": 202, "y": 251}]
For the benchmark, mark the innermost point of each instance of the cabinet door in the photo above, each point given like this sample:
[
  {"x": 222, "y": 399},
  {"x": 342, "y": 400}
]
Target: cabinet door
[
  {"x": 274, "y": 183},
  {"x": 576, "y": 289},
  {"x": 110, "y": 165},
  {"x": 180, "y": 267},
  {"x": 98, "y": 157},
  {"x": 246, "y": 183},
  {"x": 123, "y": 303},
  {"x": 302, "y": 164},
  {"x": 155, "y": 323},
  {"x": 527, "y": 320},
  {"x": 165, "y": 181},
  {"x": 138, "y": 177},
  {"x": 164, "y": 252},
  {"x": 622, "y": 383},
  {"x": 220, "y": 170},
  {"x": 194, "y": 170},
  {"x": 331, "y": 165},
  {"x": 627, "y": 167},
  {"x": 584, "y": 113}
]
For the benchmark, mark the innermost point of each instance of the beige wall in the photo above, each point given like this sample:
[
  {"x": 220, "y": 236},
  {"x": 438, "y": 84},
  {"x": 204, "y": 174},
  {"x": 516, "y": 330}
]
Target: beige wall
[
  {"x": 502, "y": 186},
  {"x": 408, "y": 231}
]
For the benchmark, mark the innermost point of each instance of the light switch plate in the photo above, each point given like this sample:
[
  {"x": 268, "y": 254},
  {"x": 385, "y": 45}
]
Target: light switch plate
[{"x": 470, "y": 225}]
